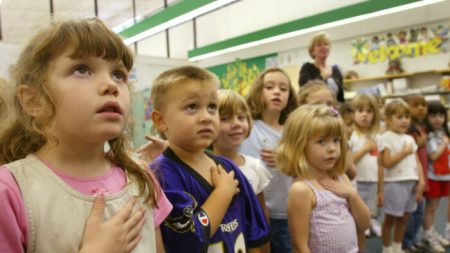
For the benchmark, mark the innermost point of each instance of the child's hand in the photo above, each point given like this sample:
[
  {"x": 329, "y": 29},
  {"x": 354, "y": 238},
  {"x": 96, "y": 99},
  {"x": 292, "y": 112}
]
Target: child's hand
[
  {"x": 339, "y": 188},
  {"x": 119, "y": 234},
  {"x": 445, "y": 140},
  {"x": 407, "y": 148},
  {"x": 222, "y": 179},
  {"x": 418, "y": 189},
  {"x": 370, "y": 145},
  {"x": 268, "y": 155},
  {"x": 152, "y": 149},
  {"x": 421, "y": 139}
]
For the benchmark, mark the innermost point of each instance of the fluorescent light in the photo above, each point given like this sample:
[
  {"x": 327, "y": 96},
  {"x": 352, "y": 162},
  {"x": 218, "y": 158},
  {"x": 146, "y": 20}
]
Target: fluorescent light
[
  {"x": 178, "y": 20},
  {"x": 126, "y": 24},
  {"x": 315, "y": 29}
]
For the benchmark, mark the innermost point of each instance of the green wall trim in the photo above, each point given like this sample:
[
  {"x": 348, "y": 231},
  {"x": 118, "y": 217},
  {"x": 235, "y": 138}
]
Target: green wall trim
[
  {"x": 163, "y": 16},
  {"x": 303, "y": 23}
]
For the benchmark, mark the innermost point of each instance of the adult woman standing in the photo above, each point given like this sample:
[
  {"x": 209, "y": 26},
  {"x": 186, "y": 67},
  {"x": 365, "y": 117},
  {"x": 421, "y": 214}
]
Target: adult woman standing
[{"x": 319, "y": 49}]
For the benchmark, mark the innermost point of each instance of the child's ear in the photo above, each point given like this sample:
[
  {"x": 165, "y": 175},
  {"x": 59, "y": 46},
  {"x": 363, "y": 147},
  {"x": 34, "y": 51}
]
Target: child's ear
[
  {"x": 159, "y": 121},
  {"x": 30, "y": 100}
]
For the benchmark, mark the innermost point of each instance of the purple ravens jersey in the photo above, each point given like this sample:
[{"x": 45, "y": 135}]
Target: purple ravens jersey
[{"x": 187, "y": 228}]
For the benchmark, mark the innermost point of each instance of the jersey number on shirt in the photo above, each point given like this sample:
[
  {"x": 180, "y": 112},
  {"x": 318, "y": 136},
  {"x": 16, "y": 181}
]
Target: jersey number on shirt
[{"x": 239, "y": 246}]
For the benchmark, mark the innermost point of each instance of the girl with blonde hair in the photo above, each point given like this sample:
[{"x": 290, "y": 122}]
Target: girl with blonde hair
[
  {"x": 321, "y": 198},
  {"x": 365, "y": 146}
]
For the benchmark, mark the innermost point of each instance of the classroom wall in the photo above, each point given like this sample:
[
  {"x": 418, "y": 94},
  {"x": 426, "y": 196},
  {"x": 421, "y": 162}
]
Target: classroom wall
[
  {"x": 9, "y": 53},
  {"x": 145, "y": 70}
]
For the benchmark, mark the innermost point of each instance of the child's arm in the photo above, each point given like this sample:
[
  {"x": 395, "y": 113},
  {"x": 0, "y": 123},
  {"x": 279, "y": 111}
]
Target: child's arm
[
  {"x": 256, "y": 250},
  {"x": 119, "y": 234},
  {"x": 262, "y": 202},
  {"x": 350, "y": 167},
  {"x": 380, "y": 192},
  {"x": 159, "y": 241},
  {"x": 225, "y": 187},
  {"x": 369, "y": 145},
  {"x": 389, "y": 160},
  {"x": 421, "y": 184},
  {"x": 421, "y": 139},
  {"x": 152, "y": 149},
  {"x": 300, "y": 205},
  {"x": 441, "y": 148},
  {"x": 358, "y": 208}
]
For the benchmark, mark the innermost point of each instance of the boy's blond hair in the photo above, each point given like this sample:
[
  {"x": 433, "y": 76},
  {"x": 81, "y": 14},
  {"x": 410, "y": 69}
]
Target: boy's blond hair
[
  {"x": 303, "y": 123},
  {"x": 363, "y": 100},
  {"x": 255, "y": 98},
  {"x": 177, "y": 76},
  {"x": 231, "y": 103},
  {"x": 321, "y": 37},
  {"x": 312, "y": 86}
]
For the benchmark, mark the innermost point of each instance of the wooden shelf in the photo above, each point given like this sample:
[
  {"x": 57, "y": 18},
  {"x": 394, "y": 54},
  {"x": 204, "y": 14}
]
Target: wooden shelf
[
  {"x": 389, "y": 77},
  {"x": 425, "y": 93}
]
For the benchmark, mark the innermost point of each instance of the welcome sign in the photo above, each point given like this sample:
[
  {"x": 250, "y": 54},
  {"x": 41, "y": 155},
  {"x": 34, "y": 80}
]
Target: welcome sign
[{"x": 414, "y": 42}]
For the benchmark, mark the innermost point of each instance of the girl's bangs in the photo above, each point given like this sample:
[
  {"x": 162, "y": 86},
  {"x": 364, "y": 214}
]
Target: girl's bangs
[
  {"x": 326, "y": 127},
  {"x": 92, "y": 39},
  {"x": 362, "y": 103},
  {"x": 231, "y": 106},
  {"x": 436, "y": 108}
]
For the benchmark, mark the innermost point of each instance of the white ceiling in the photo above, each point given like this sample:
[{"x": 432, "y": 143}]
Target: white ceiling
[
  {"x": 19, "y": 18},
  {"x": 409, "y": 18}
]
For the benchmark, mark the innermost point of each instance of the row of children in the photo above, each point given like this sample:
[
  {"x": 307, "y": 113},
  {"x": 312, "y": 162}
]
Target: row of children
[
  {"x": 61, "y": 192},
  {"x": 426, "y": 151},
  {"x": 55, "y": 164}
]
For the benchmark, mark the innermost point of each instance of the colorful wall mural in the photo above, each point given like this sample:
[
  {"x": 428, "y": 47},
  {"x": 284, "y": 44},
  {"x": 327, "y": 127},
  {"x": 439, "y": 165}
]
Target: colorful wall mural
[{"x": 239, "y": 75}]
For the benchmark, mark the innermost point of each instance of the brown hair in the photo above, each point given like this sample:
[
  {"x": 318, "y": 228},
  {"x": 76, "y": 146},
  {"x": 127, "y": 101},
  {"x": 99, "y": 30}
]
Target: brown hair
[
  {"x": 311, "y": 86},
  {"x": 362, "y": 100},
  {"x": 231, "y": 103},
  {"x": 87, "y": 37},
  {"x": 396, "y": 106},
  {"x": 255, "y": 98}
]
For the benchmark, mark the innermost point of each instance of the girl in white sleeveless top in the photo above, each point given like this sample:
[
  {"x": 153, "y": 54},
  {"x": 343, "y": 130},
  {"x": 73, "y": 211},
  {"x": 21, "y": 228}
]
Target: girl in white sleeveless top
[
  {"x": 72, "y": 96},
  {"x": 324, "y": 210}
]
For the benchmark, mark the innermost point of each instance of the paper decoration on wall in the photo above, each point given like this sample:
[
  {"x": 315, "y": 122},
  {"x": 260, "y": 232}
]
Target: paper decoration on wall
[
  {"x": 415, "y": 42},
  {"x": 142, "y": 109},
  {"x": 240, "y": 74}
]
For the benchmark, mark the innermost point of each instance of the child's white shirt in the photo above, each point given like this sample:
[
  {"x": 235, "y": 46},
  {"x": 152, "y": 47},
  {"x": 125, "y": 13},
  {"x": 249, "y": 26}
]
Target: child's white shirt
[
  {"x": 256, "y": 173},
  {"x": 406, "y": 169},
  {"x": 367, "y": 166}
]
